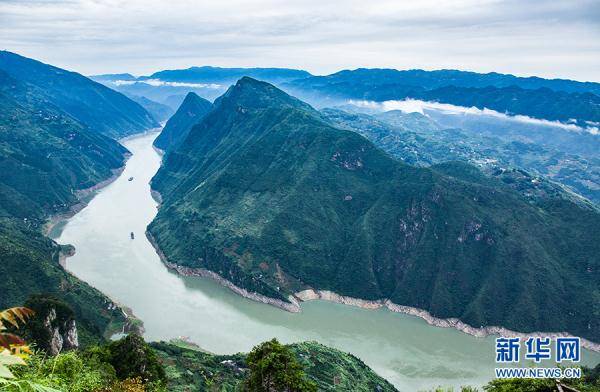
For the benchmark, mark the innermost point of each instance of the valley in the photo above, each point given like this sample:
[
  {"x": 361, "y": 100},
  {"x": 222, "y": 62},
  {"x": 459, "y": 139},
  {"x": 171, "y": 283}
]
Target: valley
[{"x": 403, "y": 349}]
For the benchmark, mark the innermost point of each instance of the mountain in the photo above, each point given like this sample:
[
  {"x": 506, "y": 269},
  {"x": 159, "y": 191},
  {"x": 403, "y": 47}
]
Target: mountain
[
  {"x": 192, "y": 110},
  {"x": 207, "y": 82},
  {"x": 431, "y": 80},
  {"x": 509, "y": 155},
  {"x": 331, "y": 369},
  {"x": 47, "y": 159},
  {"x": 208, "y": 74},
  {"x": 47, "y": 155},
  {"x": 265, "y": 192},
  {"x": 91, "y": 103},
  {"x": 113, "y": 77},
  {"x": 160, "y": 112},
  {"x": 564, "y": 101}
]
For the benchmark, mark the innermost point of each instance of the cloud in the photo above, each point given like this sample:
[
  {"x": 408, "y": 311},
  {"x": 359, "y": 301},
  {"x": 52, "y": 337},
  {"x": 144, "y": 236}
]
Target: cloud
[
  {"x": 158, "y": 83},
  {"x": 417, "y": 106},
  {"x": 541, "y": 37}
]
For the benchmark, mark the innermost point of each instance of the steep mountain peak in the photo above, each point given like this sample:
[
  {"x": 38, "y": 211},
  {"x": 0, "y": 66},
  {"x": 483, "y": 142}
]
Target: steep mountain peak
[
  {"x": 249, "y": 93},
  {"x": 191, "y": 111},
  {"x": 192, "y": 98}
]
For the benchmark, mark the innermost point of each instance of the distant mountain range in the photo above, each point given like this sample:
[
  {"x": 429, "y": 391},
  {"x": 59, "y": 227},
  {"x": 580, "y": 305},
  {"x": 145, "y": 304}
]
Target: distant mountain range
[
  {"x": 160, "y": 112},
  {"x": 208, "y": 74},
  {"x": 560, "y": 100},
  {"x": 91, "y": 103},
  {"x": 207, "y": 82},
  {"x": 521, "y": 156},
  {"x": 267, "y": 193}
]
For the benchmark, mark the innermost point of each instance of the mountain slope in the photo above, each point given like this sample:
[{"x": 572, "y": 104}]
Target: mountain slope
[
  {"x": 269, "y": 195},
  {"x": 580, "y": 101},
  {"x": 46, "y": 157},
  {"x": 192, "y": 110},
  {"x": 417, "y": 140},
  {"x": 91, "y": 103},
  {"x": 330, "y": 369},
  {"x": 160, "y": 112}
]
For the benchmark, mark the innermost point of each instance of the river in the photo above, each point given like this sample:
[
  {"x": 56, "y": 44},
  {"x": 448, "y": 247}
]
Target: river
[{"x": 404, "y": 349}]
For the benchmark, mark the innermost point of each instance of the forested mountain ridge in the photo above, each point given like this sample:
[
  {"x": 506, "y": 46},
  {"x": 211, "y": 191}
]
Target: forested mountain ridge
[
  {"x": 100, "y": 108},
  {"x": 268, "y": 194},
  {"x": 190, "y": 112},
  {"x": 46, "y": 157},
  {"x": 522, "y": 164}
]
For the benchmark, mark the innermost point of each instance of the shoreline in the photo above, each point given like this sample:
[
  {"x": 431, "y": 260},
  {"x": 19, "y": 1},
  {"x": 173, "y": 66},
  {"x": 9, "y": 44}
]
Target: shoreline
[
  {"x": 293, "y": 306},
  {"x": 131, "y": 322},
  {"x": 325, "y": 295},
  {"x": 55, "y": 219}
]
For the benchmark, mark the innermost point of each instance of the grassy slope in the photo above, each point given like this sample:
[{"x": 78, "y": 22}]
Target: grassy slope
[
  {"x": 191, "y": 370},
  {"x": 45, "y": 157},
  {"x": 273, "y": 198}
]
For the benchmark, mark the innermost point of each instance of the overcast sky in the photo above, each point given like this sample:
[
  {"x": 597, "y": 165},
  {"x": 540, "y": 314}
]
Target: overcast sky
[{"x": 559, "y": 38}]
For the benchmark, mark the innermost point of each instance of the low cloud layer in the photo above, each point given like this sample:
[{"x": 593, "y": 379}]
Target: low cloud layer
[
  {"x": 550, "y": 38},
  {"x": 417, "y": 106},
  {"x": 158, "y": 83}
]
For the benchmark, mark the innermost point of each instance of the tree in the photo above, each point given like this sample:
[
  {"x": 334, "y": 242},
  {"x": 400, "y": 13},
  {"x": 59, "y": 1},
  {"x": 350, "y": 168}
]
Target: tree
[
  {"x": 132, "y": 357},
  {"x": 274, "y": 368}
]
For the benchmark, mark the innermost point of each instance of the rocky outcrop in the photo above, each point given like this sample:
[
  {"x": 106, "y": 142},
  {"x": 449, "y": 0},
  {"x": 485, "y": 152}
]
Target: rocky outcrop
[{"x": 62, "y": 335}]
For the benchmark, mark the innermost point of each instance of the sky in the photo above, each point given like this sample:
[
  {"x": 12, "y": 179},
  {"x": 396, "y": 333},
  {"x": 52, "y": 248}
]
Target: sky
[{"x": 559, "y": 38}]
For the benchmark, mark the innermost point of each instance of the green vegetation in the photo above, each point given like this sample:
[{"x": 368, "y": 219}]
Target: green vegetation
[
  {"x": 131, "y": 365},
  {"x": 418, "y": 140},
  {"x": 132, "y": 357},
  {"x": 330, "y": 369},
  {"x": 46, "y": 159},
  {"x": 192, "y": 110},
  {"x": 100, "y": 108},
  {"x": 99, "y": 368},
  {"x": 269, "y": 195},
  {"x": 273, "y": 366},
  {"x": 30, "y": 266}
]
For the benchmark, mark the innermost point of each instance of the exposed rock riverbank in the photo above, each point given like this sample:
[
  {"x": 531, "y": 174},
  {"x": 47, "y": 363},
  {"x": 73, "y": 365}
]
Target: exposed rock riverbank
[
  {"x": 292, "y": 306},
  {"x": 310, "y": 294}
]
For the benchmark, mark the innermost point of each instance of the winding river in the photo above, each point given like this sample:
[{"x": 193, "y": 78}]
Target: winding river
[{"x": 404, "y": 349}]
